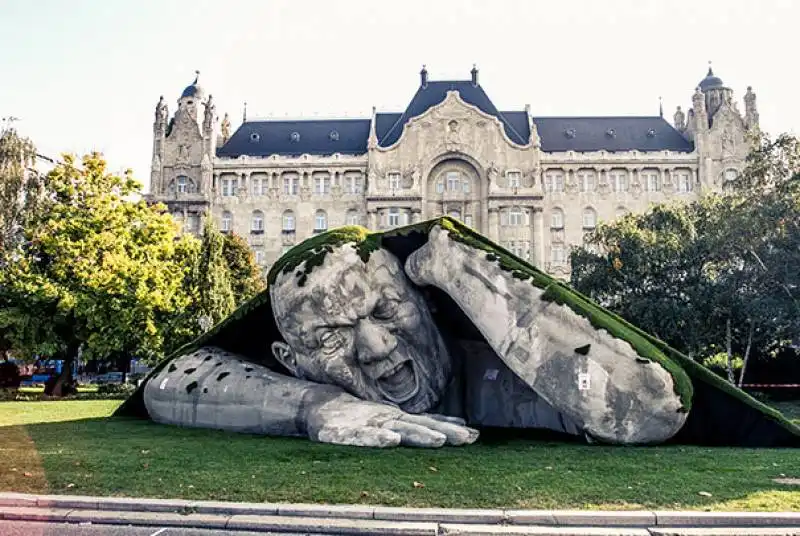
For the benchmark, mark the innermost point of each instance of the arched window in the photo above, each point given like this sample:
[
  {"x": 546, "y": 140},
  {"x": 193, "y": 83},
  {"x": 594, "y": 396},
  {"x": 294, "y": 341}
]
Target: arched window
[
  {"x": 554, "y": 181},
  {"x": 320, "y": 221},
  {"x": 557, "y": 219},
  {"x": 353, "y": 217},
  {"x": 227, "y": 222},
  {"x": 589, "y": 218},
  {"x": 288, "y": 223},
  {"x": 257, "y": 222},
  {"x": 455, "y": 214},
  {"x": 453, "y": 181}
]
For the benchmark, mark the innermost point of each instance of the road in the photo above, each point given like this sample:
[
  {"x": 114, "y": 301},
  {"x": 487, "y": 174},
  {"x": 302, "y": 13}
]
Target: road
[{"x": 27, "y": 528}]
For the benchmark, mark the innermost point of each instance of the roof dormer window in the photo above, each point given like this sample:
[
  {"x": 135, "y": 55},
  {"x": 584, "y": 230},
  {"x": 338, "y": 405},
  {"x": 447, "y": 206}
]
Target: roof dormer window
[
  {"x": 570, "y": 133},
  {"x": 255, "y": 137},
  {"x": 651, "y": 133},
  {"x": 295, "y": 136},
  {"x": 611, "y": 133},
  {"x": 334, "y": 135}
]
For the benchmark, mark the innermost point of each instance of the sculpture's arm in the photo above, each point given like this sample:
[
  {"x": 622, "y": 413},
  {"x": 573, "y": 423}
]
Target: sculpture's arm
[
  {"x": 599, "y": 381},
  {"x": 212, "y": 388}
]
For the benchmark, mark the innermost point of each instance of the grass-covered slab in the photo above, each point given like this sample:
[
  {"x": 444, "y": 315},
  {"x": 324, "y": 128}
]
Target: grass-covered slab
[
  {"x": 74, "y": 448},
  {"x": 719, "y": 413}
]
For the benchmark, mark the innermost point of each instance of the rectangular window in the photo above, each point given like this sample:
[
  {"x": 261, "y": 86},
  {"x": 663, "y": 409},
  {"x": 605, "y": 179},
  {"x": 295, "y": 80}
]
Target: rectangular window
[
  {"x": 619, "y": 180},
  {"x": 393, "y": 218},
  {"x": 513, "y": 179},
  {"x": 586, "y": 180},
  {"x": 291, "y": 185},
  {"x": 259, "y": 257},
  {"x": 440, "y": 186},
  {"x": 453, "y": 179},
  {"x": 394, "y": 181},
  {"x": 322, "y": 185},
  {"x": 554, "y": 182},
  {"x": 468, "y": 220},
  {"x": 227, "y": 187},
  {"x": 652, "y": 182},
  {"x": 684, "y": 182},
  {"x": 515, "y": 217},
  {"x": 557, "y": 254},
  {"x": 354, "y": 185}
]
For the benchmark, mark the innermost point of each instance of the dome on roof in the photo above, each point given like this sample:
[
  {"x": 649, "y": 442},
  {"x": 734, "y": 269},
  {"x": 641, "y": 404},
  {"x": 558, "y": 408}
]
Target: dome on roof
[
  {"x": 710, "y": 81},
  {"x": 193, "y": 90}
]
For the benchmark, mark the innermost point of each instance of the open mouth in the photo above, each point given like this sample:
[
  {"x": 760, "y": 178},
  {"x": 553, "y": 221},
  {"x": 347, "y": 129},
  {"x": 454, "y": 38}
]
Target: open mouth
[{"x": 399, "y": 384}]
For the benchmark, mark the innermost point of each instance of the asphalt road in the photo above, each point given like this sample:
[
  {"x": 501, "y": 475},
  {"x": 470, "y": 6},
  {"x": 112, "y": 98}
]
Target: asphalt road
[{"x": 27, "y": 528}]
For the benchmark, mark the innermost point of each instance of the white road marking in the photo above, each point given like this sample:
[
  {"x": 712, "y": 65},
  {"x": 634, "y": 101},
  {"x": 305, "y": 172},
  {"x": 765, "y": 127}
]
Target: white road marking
[{"x": 159, "y": 531}]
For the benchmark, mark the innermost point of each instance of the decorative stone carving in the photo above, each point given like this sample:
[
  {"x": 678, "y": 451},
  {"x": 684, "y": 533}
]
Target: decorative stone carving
[
  {"x": 182, "y": 158},
  {"x": 226, "y": 128},
  {"x": 375, "y": 370},
  {"x": 210, "y": 114}
]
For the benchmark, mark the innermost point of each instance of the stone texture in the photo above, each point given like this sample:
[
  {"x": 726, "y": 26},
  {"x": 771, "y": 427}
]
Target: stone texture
[
  {"x": 134, "y": 504},
  {"x": 109, "y": 517},
  {"x": 448, "y": 529},
  {"x": 604, "y": 519},
  {"x": 440, "y": 515},
  {"x": 17, "y": 499},
  {"x": 730, "y": 519},
  {"x": 331, "y": 526},
  {"x": 725, "y": 531},
  {"x": 327, "y": 511},
  {"x": 33, "y": 514}
]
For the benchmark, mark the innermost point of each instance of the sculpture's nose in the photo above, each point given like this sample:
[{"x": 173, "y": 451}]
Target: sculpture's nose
[{"x": 373, "y": 342}]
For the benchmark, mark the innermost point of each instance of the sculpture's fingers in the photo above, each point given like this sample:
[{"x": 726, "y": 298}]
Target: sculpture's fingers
[
  {"x": 415, "y": 435},
  {"x": 447, "y": 418},
  {"x": 455, "y": 434},
  {"x": 365, "y": 436}
]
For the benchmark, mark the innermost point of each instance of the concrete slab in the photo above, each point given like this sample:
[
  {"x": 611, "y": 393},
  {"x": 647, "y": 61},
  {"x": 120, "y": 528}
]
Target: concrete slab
[
  {"x": 725, "y": 531},
  {"x": 727, "y": 519},
  {"x": 231, "y": 508},
  {"x": 441, "y": 515},
  {"x": 68, "y": 501},
  {"x": 143, "y": 505},
  {"x": 585, "y": 518},
  {"x": 327, "y": 510},
  {"x": 8, "y": 498},
  {"x": 152, "y": 519},
  {"x": 331, "y": 526},
  {"x": 448, "y": 529},
  {"x": 27, "y": 513},
  {"x": 530, "y": 517}
]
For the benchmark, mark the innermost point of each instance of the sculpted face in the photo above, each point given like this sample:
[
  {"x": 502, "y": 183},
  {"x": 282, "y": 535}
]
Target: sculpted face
[{"x": 363, "y": 327}]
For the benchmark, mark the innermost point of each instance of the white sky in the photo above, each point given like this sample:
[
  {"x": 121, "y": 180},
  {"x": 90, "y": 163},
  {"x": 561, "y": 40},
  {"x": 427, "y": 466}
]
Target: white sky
[{"x": 86, "y": 74}]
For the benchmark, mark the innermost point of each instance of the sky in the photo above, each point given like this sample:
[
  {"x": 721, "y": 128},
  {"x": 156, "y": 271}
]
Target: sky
[{"x": 84, "y": 75}]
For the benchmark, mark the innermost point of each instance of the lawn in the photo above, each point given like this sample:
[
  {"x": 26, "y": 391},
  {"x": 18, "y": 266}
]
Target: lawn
[{"x": 73, "y": 447}]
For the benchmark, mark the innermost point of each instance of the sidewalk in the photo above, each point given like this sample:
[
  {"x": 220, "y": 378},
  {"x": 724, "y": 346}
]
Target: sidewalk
[{"x": 381, "y": 520}]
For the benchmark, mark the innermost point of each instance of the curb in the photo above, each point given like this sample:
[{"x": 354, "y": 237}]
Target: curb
[{"x": 362, "y": 520}]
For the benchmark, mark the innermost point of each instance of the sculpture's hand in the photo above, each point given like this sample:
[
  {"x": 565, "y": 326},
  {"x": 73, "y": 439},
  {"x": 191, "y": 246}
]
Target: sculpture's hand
[{"x": 346, "y": 420}]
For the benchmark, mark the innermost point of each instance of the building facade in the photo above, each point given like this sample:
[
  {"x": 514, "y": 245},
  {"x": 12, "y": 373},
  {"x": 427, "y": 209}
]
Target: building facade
[{"x": 534, "y": 185}]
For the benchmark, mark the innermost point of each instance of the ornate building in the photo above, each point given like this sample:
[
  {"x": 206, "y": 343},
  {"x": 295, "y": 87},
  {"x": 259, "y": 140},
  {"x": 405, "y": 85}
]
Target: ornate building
[{"x": 532, "y": 184}]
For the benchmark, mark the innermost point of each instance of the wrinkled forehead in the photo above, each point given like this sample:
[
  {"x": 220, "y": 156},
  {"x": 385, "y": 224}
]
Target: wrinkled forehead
[{"x": 342, "y": 286}]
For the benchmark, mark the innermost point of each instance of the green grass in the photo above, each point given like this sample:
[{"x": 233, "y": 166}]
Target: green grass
[
  {"x": 40, "y": 390},
  {"x": 88, "y": 453}
]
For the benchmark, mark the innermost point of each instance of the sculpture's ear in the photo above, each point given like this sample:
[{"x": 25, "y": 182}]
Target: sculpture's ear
[{"x": 285, "y": 356}]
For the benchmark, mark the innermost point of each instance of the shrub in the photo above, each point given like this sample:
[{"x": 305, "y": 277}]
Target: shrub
[{"x": 9, "y": 375}]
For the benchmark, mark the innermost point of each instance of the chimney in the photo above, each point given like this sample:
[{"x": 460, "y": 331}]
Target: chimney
[
  {"x": 423, "y": 77},
  {"x": 474, "y": 73}
]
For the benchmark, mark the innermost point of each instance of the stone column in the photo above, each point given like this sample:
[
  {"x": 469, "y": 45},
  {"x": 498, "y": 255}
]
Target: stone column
[
  {"x": 372, "y": 220},
  {"x": 494, "y": 225},
  {"x": 416, "y": 215},
  {"x": 537, "y": 240}
]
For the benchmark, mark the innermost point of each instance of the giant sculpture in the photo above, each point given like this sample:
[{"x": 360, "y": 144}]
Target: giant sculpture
[{"x": 421, "y": 336}]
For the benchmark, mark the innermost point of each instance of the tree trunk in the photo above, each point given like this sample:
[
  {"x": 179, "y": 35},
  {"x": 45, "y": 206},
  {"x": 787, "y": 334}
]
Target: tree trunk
[
  {"x": 64, "y": 384},
  {"x": 728, "y": 347},
  {"x": 747, "y": 351}
]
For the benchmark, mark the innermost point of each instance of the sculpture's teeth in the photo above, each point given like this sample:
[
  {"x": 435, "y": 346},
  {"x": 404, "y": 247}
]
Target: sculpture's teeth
[{"x": 399, "y": 384}]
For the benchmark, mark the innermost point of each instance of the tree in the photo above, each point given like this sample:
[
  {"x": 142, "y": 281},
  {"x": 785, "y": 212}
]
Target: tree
[
  {"x": 245, "y": 274},
  {"x": 96, "y": 271},
  {"x": 719, "y": 273},
  {"x": 20, "y": 189}
]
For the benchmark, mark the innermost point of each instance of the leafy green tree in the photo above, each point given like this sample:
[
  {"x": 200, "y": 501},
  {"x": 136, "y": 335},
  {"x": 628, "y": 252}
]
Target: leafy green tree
[
  {"x": 97, "y": 271},
  {"x": 246, "y": 275},
  {"x": 716, "y": 275},
  {"x": 212, "y": 279},
  {"x": 20, "y": 188}
]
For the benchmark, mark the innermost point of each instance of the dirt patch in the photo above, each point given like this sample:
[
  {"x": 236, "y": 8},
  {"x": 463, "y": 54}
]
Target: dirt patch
[
  {"x": 21, "y": 469},
  {"x": 787, "y": 481}
]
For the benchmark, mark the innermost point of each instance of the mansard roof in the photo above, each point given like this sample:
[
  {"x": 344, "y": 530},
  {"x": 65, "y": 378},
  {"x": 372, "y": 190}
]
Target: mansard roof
[
  {"x": 294, "y": 138},
  {"x": 349, "y": 136},
  {"x": 613, "y": 134},
  {"x": 434, "y": 92}
]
